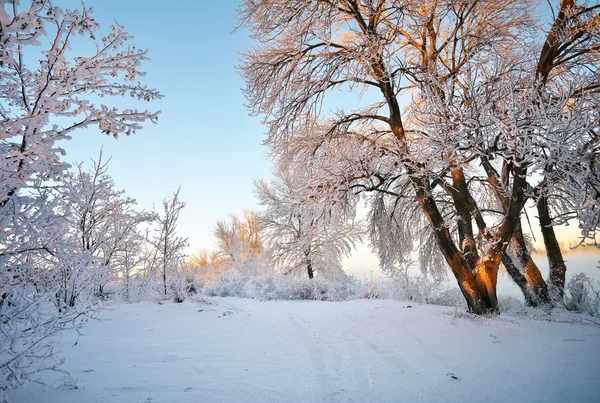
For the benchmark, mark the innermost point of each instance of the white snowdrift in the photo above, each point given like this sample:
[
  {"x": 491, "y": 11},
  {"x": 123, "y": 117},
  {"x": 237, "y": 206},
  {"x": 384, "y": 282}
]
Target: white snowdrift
[{"x": 236, "y": 350}]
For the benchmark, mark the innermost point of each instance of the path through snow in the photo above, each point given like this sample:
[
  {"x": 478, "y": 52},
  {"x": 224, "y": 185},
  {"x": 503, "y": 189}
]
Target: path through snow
[{"x": 238, "y": 350}]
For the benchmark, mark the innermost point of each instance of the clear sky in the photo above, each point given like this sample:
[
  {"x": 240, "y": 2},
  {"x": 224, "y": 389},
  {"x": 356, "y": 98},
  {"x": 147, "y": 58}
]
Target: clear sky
[{"x": 205, "y": 140}]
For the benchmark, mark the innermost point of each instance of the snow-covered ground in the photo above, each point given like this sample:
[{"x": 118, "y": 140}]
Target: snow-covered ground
[{"x": 235, "y": 350}]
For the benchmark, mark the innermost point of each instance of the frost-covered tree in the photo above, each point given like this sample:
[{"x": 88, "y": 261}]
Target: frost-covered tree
[
  {"x": 46, "y": 101},
  {"x": 466, "y": 170},
  {"x": 130, "y": 261},
  {"x": 207, "y": 267},
  {"x": 49, "y": 89},
  {"x": 102, "y": 220},
  {"x": 546, "y": 93},
  {"x": 239, "y": 240},
  {"x": 30, "y": 321},
  {"x": 168, "y": 246},
  {"x": 567, "y": 70},
  {"x": 301, "y": 236}
]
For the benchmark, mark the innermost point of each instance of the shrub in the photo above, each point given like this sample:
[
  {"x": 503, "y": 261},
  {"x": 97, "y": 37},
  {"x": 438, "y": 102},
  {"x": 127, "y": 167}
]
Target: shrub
[
  {"x": 273, "y": 286},
  {"x": 581, "y": 295}
]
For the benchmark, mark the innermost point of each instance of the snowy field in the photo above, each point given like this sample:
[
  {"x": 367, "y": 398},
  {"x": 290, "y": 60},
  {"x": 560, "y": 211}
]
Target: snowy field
[{"x": 235, "y": 350}]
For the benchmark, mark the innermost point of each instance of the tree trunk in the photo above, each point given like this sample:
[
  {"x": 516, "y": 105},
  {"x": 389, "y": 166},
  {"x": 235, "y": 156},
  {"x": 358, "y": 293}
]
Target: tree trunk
[
  {"x": 310, "y": 269},
  {"x": 486, "y": 276},
  {"x": 165, "y": 281},
  {"x": 518, "y": 277},
  {"x": 529, "y": 280},
  {"x": 556, "y": 263},
  {"x": 476, "y": 295},
  {"x": 164, "y": 251},
  {"x": 536, "y": 287}
]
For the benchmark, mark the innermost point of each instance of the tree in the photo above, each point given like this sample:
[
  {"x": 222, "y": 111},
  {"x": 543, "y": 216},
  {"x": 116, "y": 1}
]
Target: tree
[
  {"x": 48, "y": 91},
  {"x": 567, "y": 67},
  {"x": 239, "y": 240},
  {"x": 301, "y": 236},
  {"x": 457, "y": 56},
  {"x": 102, "y": 221},
  {"x": 60, "y": 88},
  {"x": 168, "y": 246},
  {"x": 551, "y": 94},
  {"x": 131, "y": 261}
]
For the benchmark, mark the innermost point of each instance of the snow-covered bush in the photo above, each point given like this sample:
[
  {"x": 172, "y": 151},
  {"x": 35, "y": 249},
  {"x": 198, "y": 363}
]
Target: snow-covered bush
[
  {"x": 230, "y": 284},
  {"x": 510, "y": 304},
  {"x": 141, "y": 288},
  {"x": 403, "y": 284},
  {"x": 448, "y": 295},
  {"x": 32, "y": 319},
  {"x": 274, "y": 286},
  {"x": 370, "y": 290},
  {"x": 582, "y": 296}
]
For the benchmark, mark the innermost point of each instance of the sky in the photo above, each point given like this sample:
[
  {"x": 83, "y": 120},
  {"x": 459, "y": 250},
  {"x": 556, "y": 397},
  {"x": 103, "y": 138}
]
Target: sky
[{"x": 205, "y": 141}]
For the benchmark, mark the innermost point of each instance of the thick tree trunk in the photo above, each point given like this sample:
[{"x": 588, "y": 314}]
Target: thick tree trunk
[
  {"x": 518, "y": 277},
  {"x": 462, "y": 202},
  {"x": 477, "y": 301},
  {"x": 536, "y": 287},
  {"x": 486, "y": 276},
  {"x": 308, "y": 260},
  {"x": 475, "y": 293},
  {"x": 556, "y": 263}
]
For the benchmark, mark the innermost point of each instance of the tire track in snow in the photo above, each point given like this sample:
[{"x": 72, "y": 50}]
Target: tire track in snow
[{"x": 342, "y": 359}]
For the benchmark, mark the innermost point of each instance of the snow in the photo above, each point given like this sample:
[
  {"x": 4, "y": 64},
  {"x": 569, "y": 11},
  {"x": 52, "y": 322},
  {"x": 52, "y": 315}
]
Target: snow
[{"x": 242, "y": 350}]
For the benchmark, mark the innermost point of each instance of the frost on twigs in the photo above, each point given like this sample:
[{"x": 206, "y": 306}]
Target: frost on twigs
[
  {"x": 470, "y": 112},
  {"x": 48, "y": 278},
  {"x": 305, "y": 233},
  {"x": 45, "y": 101}
]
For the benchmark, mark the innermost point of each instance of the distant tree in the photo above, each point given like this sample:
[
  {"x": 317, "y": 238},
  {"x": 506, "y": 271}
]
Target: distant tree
[
  {"x": 168, "y": 246},
  {"x": 239, "y": 239},
  {"x": 131, "y": 261},
  {"x": 298, "y": 232},
  {"x": 207, "y": 266}
]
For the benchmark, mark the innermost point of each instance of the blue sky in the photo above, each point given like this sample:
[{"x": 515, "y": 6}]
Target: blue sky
[{"x": 205, "y": 140}]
